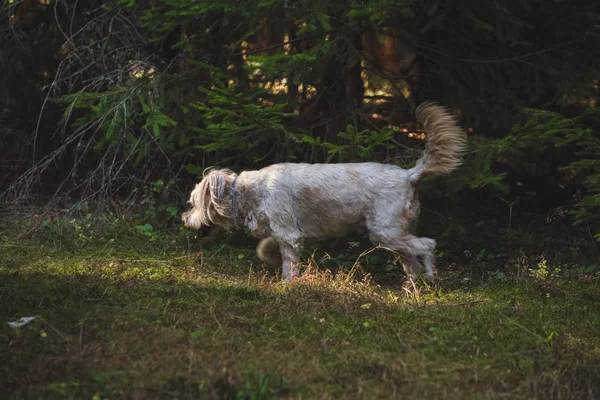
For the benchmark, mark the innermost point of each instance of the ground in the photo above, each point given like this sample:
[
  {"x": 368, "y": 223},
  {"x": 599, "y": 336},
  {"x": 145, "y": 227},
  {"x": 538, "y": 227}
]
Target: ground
[{"x": 127, "y": 316}]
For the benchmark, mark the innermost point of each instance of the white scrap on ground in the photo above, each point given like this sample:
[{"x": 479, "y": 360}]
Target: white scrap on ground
[{"x": 21, "y": 322}]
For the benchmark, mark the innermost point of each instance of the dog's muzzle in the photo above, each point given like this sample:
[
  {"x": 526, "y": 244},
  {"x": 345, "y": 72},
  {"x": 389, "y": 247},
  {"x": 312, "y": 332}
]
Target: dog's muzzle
[
  {"x": 185, "y": 217},
  {"x": 204, "y": 229}
]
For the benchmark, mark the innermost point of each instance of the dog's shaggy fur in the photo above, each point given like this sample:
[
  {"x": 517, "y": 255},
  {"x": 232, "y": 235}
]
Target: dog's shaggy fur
[{"x": 287, "y": 203}]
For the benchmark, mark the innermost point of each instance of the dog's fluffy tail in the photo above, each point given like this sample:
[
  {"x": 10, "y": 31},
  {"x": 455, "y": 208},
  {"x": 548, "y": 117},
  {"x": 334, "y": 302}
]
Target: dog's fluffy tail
[{"x": 445, "y": 141}]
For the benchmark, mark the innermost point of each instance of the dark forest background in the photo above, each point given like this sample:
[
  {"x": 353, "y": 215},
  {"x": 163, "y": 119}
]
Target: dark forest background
[{"x": 124, "y": 103}]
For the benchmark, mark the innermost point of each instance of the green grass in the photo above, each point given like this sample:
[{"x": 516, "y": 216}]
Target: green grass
[{"x": 128, "y": 318}]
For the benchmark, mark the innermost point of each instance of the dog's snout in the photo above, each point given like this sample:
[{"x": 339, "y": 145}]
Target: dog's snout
[{"x": 185, "y": 217}]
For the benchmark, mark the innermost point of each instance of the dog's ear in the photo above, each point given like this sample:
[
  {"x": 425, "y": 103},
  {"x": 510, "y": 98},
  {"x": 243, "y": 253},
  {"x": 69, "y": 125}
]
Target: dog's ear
[
  {"x": 219, "y": 184},
  {"x": 211, "y": 200}
]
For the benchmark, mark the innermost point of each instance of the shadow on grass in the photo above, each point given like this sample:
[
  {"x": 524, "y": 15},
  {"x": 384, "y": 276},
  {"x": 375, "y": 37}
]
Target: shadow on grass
[{"x": 120, "y": 336}]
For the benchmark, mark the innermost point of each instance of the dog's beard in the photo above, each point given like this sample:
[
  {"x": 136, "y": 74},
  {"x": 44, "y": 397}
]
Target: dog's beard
[{"x": 195, "y": 220}]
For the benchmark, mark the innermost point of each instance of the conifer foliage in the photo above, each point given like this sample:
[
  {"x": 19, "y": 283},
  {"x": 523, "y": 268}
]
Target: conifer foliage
[{"x": 98, "y": 97}]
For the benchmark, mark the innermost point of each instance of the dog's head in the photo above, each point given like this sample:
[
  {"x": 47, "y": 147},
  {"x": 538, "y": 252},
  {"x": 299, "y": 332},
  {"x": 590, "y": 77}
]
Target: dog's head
[{"x": 210, "y": 201}]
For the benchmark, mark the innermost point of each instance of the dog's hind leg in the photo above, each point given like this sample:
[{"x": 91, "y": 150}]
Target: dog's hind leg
[
  {"x": 429, "y": 261},
  {"x": 411, "y": 265},
  {"x": 415, "y": 248},
  {"x": 421, "y": 247},
  {"x": 409, "y": 246}
]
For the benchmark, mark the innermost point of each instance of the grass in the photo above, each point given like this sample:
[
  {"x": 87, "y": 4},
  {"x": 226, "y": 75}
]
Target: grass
[{"x": 126, "y": 317}]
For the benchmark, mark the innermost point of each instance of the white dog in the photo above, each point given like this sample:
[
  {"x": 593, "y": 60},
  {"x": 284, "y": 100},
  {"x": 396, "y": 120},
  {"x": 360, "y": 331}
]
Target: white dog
[{"x": 287, "y": 203}]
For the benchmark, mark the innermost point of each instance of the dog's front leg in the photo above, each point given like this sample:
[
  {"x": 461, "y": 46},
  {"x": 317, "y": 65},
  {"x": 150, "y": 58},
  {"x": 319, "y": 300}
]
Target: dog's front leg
[{"x": 289, "y": 254}]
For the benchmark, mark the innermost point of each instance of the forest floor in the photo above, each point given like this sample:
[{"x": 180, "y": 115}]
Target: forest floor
[{"x": 126, "y": 315}]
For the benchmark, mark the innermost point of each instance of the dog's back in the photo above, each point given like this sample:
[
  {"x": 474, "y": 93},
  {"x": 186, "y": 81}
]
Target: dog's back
[{"x": 323, "y": 200}]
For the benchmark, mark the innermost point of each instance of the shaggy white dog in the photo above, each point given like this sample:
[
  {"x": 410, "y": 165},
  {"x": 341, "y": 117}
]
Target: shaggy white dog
[{"x": 287, "y": 203}]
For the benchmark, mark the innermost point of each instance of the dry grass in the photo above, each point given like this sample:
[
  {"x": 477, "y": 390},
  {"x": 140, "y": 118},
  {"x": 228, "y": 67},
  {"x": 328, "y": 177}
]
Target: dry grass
[{"x": 125, "y": 319}]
